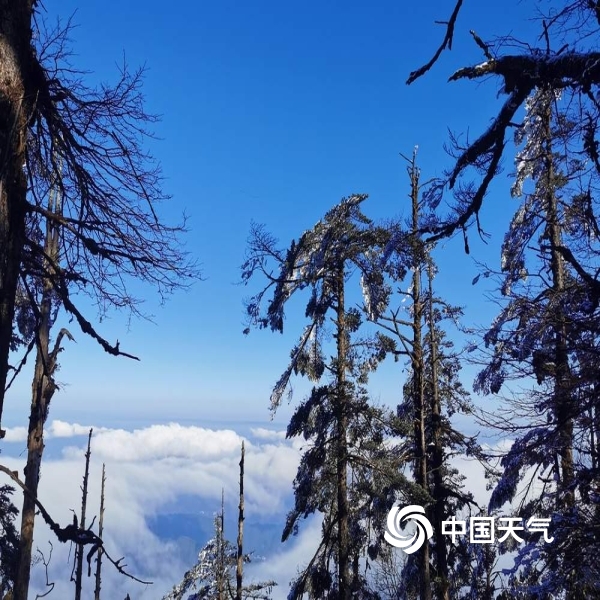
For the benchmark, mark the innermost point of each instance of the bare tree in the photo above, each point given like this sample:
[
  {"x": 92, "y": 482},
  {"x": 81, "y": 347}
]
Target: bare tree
[
  {"x": 84, "y": 491},
  {"x": 46, "y": 562},
  {"x": 73, "y": 532},
  {"x": 89, "y": 142},
  {"x": 43, "y": 386},
  {"x": 72, "y": 164},
  {"x": 16, "y": 106}
]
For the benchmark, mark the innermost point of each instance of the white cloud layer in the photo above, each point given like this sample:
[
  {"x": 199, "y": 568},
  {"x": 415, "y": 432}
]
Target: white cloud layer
[
  {"x": 267, "y": 434},
  {"x": 152, "y": 468},
  {"x": 147, "y": 469},
  {"x": 56, "y": 429}
]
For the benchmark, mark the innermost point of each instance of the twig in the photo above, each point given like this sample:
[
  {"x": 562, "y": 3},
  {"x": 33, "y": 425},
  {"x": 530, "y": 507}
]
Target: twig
[{"x": 46, "y": 563}]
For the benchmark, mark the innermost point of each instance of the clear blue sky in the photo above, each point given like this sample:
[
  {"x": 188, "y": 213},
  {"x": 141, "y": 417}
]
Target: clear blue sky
[{"x": 271, "y": 111}]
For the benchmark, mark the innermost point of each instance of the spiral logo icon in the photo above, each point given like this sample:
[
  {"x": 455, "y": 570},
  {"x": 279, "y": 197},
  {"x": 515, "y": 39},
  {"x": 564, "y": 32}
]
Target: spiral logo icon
[{"x": 396, "y": 517}]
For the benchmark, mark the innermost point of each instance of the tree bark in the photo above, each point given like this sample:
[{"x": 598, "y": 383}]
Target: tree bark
[
  {"x": 437, "y": 457},
  {"x": 15, "y": 110},
  {"x": 418, "y": 366},
  {"x": 43, "y": 388},
  {"x": 562, "y": 396},
  {"x": 563, "y": 401},
  {"x": 240, "y": 537},
  {"x": 343, "y": 536}
]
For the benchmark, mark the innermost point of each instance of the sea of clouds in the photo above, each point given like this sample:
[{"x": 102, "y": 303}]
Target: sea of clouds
[{"x": 149, "y": 472}]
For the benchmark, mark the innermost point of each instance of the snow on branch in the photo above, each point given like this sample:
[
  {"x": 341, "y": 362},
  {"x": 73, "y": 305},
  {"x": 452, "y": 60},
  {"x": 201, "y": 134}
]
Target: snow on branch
[{"x": 538, "y": 68}]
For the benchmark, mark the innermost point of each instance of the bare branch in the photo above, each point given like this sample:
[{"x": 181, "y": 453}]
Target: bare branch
[
  {"x": 71, "y": 533},
  {"x": 46, "y": 563},
  {"x": 446, "y": 43}
]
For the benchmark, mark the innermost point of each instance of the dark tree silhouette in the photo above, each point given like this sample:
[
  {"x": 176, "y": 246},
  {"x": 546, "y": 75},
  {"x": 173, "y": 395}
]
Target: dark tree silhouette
[
  {"x": 562, "y": 56},
  {"x": 56, "y": 132},
  {"x": 9, "y": 540}
]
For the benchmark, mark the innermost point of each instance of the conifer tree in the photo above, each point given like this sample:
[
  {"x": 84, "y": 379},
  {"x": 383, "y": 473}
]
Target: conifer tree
[
  {"x": 345, "y": 431},
  {"x": 546, "y": 331},
  {"x": 432, "y": 392},
  {"x": 9, "y": 541}
]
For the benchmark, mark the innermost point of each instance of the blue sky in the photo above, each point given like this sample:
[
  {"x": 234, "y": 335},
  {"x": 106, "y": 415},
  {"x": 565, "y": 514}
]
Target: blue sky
[{"x": 272, "y": 112}]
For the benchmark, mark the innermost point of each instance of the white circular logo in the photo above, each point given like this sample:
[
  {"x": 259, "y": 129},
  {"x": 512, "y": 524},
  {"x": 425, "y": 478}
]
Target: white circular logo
[{"x": 413, "y": 513}]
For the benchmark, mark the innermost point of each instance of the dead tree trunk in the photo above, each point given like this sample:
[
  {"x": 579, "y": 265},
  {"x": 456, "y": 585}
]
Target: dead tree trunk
[
  {"x": 221, "y": 562},
  {"x": 240, "y": 537},
  {"x": 15, "y": 111},
  {"x": 100, "y": 532},
  {"x": 43, "y": 388},
  {"x": 80, "y": 547}
]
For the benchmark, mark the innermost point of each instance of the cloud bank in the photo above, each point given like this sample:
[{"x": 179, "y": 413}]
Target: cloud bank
[
  {"x": 149, "y": 470},
  {"x": 146, "y": 470}
]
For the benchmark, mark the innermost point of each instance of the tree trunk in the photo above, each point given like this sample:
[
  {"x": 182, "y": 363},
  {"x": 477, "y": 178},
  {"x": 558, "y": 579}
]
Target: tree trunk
[
  {"x": 80, "y": 547},
  {"x": 562, "y": 396},
  {"x": 343, "y": 541},
  {"x": 437, "y": 457},
  {"x": 43, "y": 388},
  {"x": 418, "y": 367},
  {"x": 563, "y": 399},
  {"x": 15, "y": 110},
  {"x": 240, "y": 538},
  {"x": 100, "y": 532}
]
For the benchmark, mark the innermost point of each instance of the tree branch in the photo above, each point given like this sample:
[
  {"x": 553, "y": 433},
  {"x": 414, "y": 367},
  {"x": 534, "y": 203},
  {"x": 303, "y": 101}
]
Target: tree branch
[
  {"x": 446, "y": 43},
  {"x": 71, "y": 533}
]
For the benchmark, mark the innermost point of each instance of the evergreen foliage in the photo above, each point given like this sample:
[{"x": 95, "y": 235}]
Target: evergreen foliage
[
  {"x": 9, "y": 540},
  {"x": 213, "y": 575}
]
